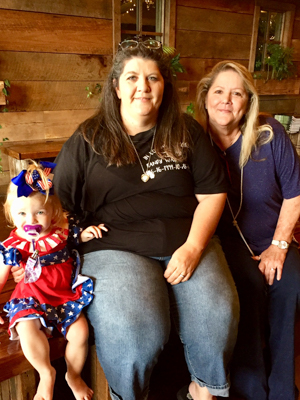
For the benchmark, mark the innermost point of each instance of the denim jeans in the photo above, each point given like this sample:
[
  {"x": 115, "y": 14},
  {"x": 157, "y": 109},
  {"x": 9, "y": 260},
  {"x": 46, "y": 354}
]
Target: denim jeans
[
  {"x": 131, "y": 313},
  {"x": 263, "y": 361}
]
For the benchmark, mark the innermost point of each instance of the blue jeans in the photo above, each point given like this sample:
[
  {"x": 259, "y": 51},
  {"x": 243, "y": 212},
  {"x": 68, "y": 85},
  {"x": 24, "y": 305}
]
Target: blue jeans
[
  {"x": 263, "y": 361},
  {"x": 131, "y": 312}
]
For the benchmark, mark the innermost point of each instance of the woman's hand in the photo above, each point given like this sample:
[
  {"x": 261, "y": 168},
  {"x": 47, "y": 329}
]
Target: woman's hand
[
  {"x": 182, "y": 264},
  {"x": 271, "y": 263},
  {"x": 1, "y": 321},
  {"x": 92, "y": 232},
  {"x": 18, "y": 273}
]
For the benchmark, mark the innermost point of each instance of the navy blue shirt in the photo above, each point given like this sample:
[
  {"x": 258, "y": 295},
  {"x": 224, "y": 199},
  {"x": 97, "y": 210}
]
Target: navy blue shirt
[{"x": 271, "y": 175}]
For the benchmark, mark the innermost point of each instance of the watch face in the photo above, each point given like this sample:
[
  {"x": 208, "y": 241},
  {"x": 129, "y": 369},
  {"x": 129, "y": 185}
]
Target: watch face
[{"x": 283, "y": 245}]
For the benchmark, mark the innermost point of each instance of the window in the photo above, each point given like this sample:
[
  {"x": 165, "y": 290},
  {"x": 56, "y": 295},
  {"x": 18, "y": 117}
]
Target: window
[
  {"x": 273, "y": 23},
  {"x": 269, "y": 32},
  {"x": 142, "y": 17},
  {"x": 150, "y": 18}
]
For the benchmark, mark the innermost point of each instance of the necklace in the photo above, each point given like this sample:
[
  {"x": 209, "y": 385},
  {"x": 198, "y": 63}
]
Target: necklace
[
  {"x": 147, "y": 174},
  {"x": 234, "y": 217}
]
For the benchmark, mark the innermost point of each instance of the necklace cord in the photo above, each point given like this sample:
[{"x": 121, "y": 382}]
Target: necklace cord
[{"x": 234, "y": 217}]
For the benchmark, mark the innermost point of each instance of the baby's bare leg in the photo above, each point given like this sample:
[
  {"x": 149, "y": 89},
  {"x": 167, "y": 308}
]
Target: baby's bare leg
[
  {"x": 35, "y": 347},
  {"x": 76, "y": 353}
]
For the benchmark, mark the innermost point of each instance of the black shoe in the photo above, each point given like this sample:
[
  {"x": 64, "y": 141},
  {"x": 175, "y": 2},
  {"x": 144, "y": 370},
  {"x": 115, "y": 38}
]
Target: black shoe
[{"x": 184, "y": 394}]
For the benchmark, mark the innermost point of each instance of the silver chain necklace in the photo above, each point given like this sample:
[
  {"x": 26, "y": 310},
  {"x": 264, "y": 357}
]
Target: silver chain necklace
[{"x": 147, "y": 174}]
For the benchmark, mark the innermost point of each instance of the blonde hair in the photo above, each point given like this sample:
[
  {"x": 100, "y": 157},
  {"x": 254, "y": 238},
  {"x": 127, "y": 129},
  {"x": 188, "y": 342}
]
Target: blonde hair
[
  {"x": 58, "y": 217},
  {"x": 249, "y": 124}
]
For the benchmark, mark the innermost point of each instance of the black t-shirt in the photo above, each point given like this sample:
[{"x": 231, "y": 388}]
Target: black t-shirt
[{"x": 152, "y": 218}]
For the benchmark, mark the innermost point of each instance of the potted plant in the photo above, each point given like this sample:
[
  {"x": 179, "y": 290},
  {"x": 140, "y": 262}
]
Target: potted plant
[{"x": 280, "y": 75}]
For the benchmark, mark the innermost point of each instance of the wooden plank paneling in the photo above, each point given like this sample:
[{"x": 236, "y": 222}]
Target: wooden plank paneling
[
  {"x": 296, "y": 45},
  {"x": 51, "y": 96},
  {"x": 54, "y": 67},
  {"x": 28, "y": 31},
  {"x": 87, "y": 8},
  {"x": 196, "y": 68},
  {"x": 278, "y": 104},
  {"x": 241, "y": 6},
  {"x": 212, "y": 45},
  {"x": 2, "y": 95},
  {"x": 213, "y": 21},
  {"x": 275, "y": 87},
  {"x": 296, "y": 30},
  {"x": 36, "y": 126}
]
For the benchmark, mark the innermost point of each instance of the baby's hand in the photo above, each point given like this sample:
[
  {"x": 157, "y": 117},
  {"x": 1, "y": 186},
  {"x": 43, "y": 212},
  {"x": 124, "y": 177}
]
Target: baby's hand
[
  {"x": 1, "y": 321},
  {"x": 18, "y": 273},
  {"x": 92, "y": 232}
]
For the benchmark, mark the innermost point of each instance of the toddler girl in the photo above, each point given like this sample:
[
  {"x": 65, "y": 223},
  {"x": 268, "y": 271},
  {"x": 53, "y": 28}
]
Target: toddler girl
[{"x": 52, "y": 293}]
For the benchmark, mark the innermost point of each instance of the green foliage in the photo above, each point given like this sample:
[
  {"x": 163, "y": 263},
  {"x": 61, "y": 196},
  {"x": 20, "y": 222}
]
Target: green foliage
[
  {"x": 93, "y": 91},
  {"x": 176, "y": 66},
  {"x": 190, "y": 109},
  {"x": 280, "y": 61}
]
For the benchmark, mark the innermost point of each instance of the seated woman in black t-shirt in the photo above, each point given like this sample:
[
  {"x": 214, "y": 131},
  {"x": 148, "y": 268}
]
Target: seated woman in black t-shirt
[{"x": 150, "y": 175}]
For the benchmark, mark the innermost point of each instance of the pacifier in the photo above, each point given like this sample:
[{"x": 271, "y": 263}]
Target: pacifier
[{"x": 33, "y": 230}]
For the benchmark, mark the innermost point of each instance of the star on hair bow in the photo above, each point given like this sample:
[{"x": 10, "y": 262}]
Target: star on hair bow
[{"x": 29, "y": 182}]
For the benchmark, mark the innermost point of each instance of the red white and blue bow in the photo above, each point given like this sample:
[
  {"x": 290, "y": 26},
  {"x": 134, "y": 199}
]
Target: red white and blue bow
[{"x": 29, "y": 182}]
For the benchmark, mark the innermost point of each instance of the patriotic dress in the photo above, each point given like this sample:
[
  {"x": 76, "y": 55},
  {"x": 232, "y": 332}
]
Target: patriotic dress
[{"x": 60, "y": 293}]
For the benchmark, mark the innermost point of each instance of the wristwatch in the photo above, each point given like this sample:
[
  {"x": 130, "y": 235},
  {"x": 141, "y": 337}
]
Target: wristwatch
[{"x": 282, "y": 244}]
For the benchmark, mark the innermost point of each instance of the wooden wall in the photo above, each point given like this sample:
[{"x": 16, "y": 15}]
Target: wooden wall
[
  {"x": 50, "y": 52},
  {"x": 209, "y": 31}
]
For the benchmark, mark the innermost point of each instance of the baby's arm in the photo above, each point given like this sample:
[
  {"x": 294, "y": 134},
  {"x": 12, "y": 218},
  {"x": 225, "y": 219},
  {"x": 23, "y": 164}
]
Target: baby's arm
[
  {"x": 4, "y": 272},
  {"x": 92, "y": 232}
]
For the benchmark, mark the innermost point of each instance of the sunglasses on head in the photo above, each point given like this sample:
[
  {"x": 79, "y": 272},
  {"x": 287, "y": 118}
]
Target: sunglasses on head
[{"x": 130, "y": 44}]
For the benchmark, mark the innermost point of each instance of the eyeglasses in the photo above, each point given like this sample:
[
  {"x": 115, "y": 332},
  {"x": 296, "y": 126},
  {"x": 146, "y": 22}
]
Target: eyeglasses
[{"x": 130, "y": 44}]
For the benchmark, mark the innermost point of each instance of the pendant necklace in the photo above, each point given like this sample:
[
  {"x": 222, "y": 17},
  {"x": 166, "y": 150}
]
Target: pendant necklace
[{"x": 147, "y": 174}]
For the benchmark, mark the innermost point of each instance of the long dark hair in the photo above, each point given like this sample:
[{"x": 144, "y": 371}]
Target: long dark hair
[{"x": 105, "y": 130}]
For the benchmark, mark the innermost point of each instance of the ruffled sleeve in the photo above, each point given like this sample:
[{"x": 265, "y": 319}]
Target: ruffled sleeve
[{"x": 10, "y": 256}]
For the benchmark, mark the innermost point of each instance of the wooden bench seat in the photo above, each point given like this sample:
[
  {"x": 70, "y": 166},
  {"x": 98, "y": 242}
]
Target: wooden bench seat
[{"x": 19, "y": 153}]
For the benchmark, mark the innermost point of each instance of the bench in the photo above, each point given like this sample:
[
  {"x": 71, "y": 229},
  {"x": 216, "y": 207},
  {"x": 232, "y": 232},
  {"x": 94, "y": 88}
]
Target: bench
[{"x": 19, "y": 153}]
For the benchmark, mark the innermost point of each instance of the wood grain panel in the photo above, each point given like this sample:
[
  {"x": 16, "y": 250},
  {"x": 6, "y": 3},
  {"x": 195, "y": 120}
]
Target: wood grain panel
[
  {"x": 54, "y": 67},
  {"x": 212, "y": 45},
  {"x": 196, "y": 68},
  {"x": 296, "y": 45},
  {"x": 275, "y": 87},
  {"x": 278, "y": 105},
  {"x": 241, "y": 6},
  {"x": 296, "y": 30},
  {"x": 35, "y": 126},
  {"x": 51, "y": 96},
  {"x": 2, "y": 95},
  {"x": 27, "y": 31},
  {"x": 87, "y": 8},
  {"x": 213, "y": 21}
]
